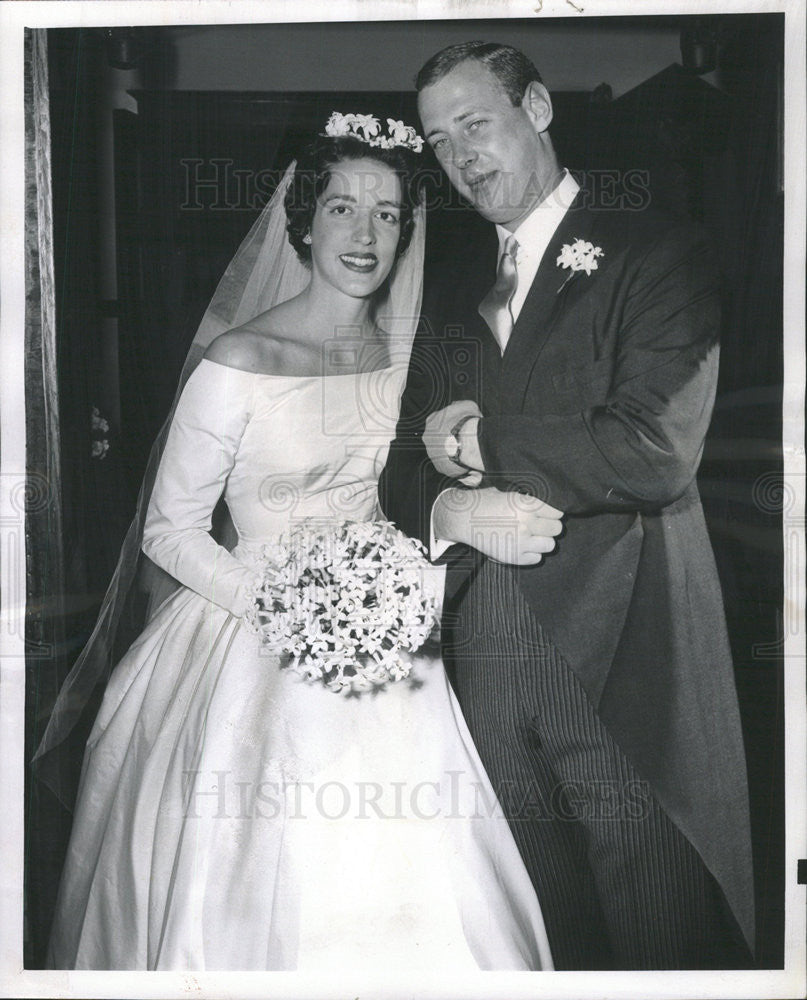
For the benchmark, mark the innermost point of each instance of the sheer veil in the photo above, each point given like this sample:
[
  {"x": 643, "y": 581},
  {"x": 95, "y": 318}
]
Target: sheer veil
[{"x": 264, "y": 272}]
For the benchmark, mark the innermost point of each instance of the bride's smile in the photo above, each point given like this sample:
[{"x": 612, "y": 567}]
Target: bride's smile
[{"x": 359, "y": 262}]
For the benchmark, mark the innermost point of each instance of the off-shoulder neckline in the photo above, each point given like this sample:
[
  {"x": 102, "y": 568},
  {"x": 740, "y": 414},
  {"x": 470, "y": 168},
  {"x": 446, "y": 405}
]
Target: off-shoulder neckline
[{"x": 300, "y": 378}]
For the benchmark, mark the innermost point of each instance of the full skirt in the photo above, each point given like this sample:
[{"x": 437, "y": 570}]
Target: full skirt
[{"x": 233, "y": 816}]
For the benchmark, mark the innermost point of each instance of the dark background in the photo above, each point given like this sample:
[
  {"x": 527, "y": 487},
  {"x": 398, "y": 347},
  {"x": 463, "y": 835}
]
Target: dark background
[{"x": 130, "y": 295}]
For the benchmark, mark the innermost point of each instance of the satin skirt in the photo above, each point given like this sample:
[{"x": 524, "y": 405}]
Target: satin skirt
[{"x": 232, "y": 816}]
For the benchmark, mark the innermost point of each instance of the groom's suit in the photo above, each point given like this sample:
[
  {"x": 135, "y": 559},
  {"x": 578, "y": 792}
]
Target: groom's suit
[{"x": 599, "y": 406}]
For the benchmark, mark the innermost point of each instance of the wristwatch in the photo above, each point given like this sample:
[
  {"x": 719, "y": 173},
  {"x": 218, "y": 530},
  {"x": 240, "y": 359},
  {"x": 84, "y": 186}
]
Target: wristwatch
[{"x": 453, "y": 444}]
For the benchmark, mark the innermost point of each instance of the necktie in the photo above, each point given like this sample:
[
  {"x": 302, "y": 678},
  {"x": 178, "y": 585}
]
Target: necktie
[{"x": 495, "y": 307}]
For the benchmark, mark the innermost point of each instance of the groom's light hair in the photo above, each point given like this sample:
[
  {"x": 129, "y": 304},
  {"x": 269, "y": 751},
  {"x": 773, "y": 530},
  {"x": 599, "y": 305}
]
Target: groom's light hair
[{"x": 514, "y": 71}]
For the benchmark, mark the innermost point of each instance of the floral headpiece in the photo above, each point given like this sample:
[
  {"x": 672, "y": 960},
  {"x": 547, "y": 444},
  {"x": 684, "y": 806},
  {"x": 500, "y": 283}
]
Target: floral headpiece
[{"x": 367, "y": 129}]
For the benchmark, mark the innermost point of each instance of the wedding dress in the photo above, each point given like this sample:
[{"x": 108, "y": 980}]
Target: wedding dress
[{"x": 232, "y": 815}]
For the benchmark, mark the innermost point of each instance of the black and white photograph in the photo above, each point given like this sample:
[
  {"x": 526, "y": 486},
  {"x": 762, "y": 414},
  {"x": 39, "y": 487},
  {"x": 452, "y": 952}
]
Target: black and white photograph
[{"x": 402, "y": 500}]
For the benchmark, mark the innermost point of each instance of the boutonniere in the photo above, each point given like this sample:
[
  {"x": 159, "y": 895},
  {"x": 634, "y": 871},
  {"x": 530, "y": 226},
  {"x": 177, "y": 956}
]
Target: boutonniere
[{"x": 579, "y": 256}]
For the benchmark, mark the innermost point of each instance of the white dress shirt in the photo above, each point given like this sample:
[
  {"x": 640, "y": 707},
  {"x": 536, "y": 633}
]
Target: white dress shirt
[{"x": 533, "y": 235}]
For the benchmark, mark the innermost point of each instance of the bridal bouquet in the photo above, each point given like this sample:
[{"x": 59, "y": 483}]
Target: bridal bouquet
[{"x": 346, "y": 601}]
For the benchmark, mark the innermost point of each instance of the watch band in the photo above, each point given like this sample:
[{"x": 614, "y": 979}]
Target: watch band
[{"x": 456, "y": 456}]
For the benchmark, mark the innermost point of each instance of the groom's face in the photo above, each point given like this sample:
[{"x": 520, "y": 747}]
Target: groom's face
[{"x": 492, "y": 151}]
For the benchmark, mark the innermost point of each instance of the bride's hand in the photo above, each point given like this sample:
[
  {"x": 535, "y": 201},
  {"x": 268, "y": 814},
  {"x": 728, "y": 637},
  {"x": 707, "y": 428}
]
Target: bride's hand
[
  {"x": 439, "y": 442},
  {"x": 511, "y": 528}
]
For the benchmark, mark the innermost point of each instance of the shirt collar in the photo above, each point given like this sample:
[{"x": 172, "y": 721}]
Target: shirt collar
[{"x": 544, "y": 219}]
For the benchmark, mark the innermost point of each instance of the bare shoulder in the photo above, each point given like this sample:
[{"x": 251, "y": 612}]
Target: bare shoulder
[{"x": 244, "y": 348}]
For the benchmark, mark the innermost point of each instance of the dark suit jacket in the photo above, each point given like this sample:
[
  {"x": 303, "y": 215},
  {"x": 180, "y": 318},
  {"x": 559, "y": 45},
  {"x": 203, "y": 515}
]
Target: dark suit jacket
[{"x": 600, "y": 406}]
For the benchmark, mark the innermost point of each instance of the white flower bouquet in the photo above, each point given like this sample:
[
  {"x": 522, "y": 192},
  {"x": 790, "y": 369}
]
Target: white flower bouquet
[{"x": 345, "y": 601}]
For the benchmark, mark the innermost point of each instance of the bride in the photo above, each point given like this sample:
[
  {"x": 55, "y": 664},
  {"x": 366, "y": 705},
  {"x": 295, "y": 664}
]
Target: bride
[{"x": 232, "y": 815}]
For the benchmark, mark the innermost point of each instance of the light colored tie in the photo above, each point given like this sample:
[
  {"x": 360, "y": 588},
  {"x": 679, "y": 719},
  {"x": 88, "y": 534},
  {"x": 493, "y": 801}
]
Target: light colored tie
[{"x": 495, "y": 308}]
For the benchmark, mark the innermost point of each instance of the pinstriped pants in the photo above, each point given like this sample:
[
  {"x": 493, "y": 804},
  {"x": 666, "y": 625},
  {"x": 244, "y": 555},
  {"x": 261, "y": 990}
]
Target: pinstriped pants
[{"x": 619, "y": 885}]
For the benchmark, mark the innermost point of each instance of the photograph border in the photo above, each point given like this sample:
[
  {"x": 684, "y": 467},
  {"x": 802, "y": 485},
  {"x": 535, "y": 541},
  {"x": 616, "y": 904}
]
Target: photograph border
[{"x": 15, "y": 981}]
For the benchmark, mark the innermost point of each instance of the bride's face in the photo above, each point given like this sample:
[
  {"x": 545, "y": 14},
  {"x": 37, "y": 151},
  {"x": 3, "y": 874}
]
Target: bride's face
[{"x": 356, "y": 227}]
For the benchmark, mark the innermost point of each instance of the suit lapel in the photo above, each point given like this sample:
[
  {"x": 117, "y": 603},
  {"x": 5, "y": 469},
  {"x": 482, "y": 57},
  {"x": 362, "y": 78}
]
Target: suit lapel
[{"x": 545, "y": 299}]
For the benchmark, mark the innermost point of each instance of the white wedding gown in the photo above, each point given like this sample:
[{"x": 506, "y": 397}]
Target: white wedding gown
[{"x": 233, "y": 816}]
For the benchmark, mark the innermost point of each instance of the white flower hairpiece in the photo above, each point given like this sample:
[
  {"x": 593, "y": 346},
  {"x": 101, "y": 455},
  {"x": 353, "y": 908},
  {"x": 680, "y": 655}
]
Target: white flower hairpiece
[{"x": 367, "y": 129}]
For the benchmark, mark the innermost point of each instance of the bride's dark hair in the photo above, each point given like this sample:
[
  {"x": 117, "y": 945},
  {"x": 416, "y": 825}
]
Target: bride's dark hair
[{"x": 314, "y": 169}]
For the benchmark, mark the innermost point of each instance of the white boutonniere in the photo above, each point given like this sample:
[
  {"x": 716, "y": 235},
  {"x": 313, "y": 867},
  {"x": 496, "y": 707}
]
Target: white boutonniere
[{"x": 579, "y": 256}]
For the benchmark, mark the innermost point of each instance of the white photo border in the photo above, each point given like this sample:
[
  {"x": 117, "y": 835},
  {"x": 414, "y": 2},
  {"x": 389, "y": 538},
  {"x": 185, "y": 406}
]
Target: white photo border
[{"x": 17, "y": 982}]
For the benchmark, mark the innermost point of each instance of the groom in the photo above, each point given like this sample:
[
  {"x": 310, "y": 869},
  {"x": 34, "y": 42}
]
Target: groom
[{"x": 574, "y": 371}]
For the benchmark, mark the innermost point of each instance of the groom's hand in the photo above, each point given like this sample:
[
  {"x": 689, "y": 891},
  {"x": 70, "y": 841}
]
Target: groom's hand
[
  {"x": 508, "y": 527},
  {"x": 439, "y": 442}
]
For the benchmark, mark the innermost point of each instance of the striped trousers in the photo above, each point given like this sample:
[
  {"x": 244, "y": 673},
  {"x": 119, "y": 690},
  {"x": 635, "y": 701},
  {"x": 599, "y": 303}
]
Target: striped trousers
[{"x": 620, "y": 887}]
